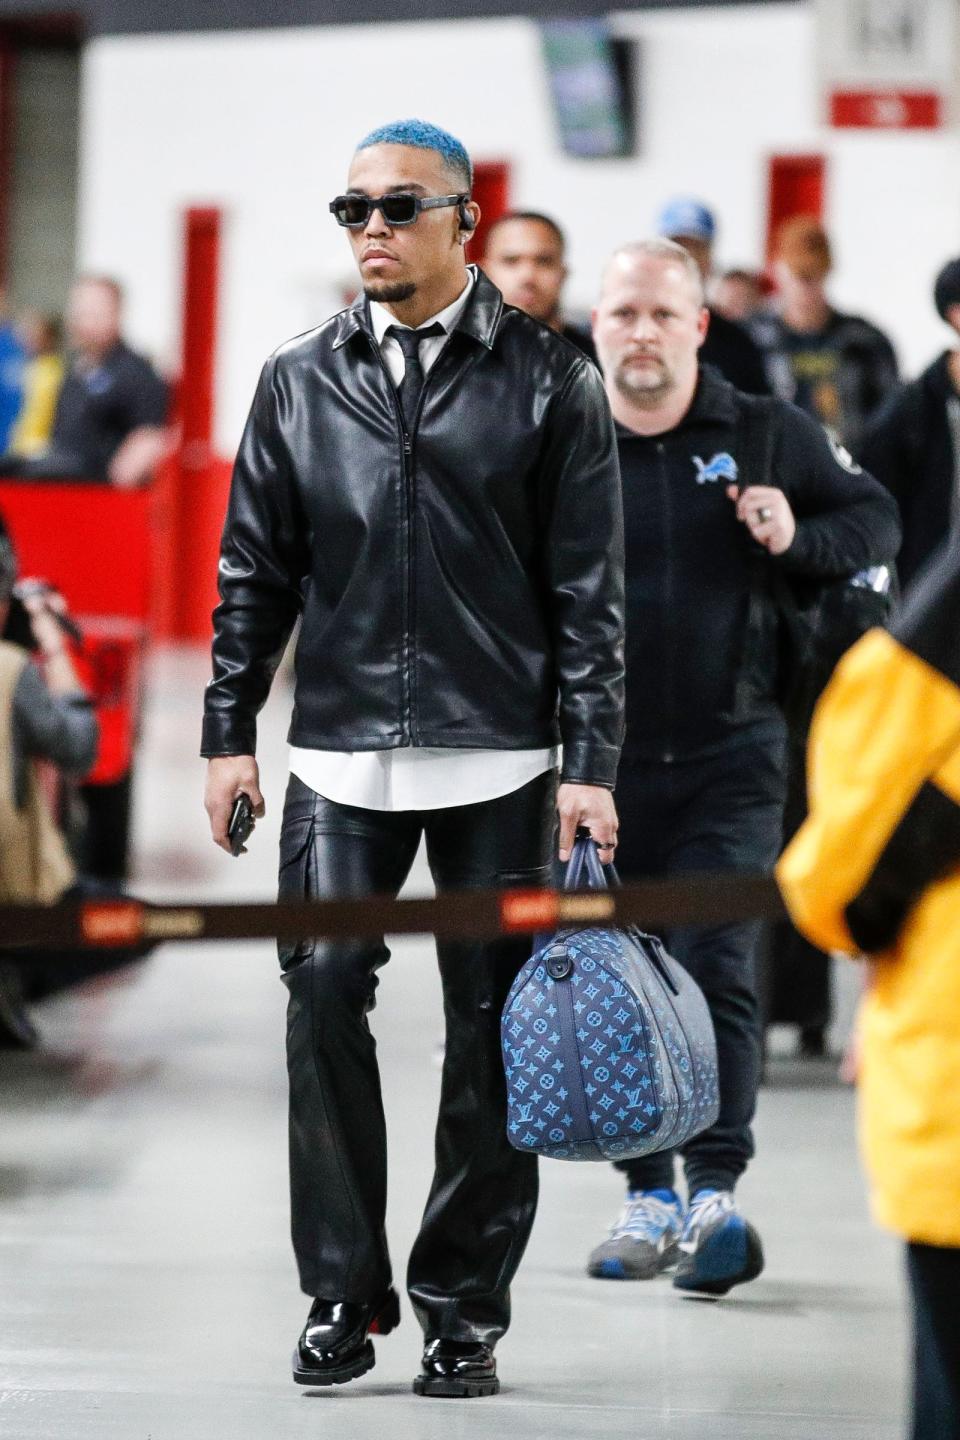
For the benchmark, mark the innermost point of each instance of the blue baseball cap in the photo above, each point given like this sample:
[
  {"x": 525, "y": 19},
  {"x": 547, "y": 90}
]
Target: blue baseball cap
[{"x": 688, "y": 217}]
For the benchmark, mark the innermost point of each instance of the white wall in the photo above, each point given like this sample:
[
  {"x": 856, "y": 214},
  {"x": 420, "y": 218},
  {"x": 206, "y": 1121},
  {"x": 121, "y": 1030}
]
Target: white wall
[{"x": 264, "y": 124}]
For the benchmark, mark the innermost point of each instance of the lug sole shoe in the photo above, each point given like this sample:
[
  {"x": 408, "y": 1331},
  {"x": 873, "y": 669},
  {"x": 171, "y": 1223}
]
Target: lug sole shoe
[
  {"x": 457, "y": 1370},
  {"x": 335, "y": 1345}
]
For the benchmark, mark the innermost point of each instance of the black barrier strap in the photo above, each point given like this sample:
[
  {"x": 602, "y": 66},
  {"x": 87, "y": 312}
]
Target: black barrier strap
[{"x": 460, "y": 915}]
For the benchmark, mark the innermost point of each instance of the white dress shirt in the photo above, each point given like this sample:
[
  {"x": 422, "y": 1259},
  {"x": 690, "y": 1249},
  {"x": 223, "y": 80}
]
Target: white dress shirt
[{"x": 418, "y": 777}]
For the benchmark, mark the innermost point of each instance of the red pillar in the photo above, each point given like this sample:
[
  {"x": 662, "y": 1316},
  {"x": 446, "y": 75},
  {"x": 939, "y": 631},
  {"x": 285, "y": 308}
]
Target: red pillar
[
  {"x": 796, "y": 185},
  {"x": 192, "y": 491}
]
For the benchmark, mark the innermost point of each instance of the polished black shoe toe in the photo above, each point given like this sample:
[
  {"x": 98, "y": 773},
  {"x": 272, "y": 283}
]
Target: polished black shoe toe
[
  {"x": 460, "y": 1369},
  {"x": 335, "y": 1344}
]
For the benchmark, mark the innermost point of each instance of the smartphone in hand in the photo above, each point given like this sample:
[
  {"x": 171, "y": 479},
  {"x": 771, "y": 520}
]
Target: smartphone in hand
[{"x": 241, "y": 824}]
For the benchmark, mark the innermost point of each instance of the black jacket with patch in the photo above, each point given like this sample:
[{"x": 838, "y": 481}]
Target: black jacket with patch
[
  {"x": 909, "y": 446},
  {"x": 690, "y": 564}
]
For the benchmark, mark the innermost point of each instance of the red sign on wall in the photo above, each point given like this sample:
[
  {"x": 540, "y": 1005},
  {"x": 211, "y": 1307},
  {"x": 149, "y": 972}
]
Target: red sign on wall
[{"x": 886, "y": 109}]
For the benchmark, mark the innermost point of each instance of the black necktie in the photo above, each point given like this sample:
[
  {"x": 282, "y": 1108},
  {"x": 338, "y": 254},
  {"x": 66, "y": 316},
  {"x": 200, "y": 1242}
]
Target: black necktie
[{"x": 412, "y": 382}]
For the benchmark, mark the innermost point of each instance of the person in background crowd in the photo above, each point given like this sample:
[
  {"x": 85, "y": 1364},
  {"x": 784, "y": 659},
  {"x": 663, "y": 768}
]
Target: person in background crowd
[
  {"x": 738, "y": 295},
  {"x": 12, "y": 360},
  {"x": 913, "y": 444},
  {"x": 48, "y": 731},
  {"x": 876, "y": 870},
  {"x": 525, "y": 259},
  {"x": 45, "y": 714},
  {"x": 715, "y": 484},
  {"x": 110, "y": 420},
  {"x": 42, "y": 379},
  {"x": 447, "y": 645},
  {"x": 839, "y": 368},
  {"x": 728, "y": 346}
]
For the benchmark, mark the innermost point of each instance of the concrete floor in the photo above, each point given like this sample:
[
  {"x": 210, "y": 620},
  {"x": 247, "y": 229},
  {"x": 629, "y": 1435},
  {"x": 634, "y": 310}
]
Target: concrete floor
[{"x": 147, "y": 1290}]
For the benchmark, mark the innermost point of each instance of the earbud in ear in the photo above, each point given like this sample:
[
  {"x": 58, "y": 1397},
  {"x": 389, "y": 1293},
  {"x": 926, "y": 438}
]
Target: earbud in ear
[{"x": 467, "y": 222}]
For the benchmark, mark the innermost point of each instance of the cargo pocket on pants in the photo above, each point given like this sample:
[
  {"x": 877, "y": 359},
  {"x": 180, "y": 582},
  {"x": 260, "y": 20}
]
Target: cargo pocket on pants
[{"x": 296, "y": 873}]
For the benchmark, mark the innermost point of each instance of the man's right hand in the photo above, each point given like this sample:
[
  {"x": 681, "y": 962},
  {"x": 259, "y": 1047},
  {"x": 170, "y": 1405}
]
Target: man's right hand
[{"x": 227, "y": 777}]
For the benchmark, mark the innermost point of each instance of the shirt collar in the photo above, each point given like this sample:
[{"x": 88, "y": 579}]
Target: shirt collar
[{"x": 381, "y": 319}]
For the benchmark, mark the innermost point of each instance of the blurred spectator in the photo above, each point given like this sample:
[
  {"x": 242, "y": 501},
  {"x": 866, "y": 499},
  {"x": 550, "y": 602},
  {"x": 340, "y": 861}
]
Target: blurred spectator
[
  {"x": 738, "y": 295},
  {"x": 839, "y": 368},
  {"x": 45, "y": 714},
  {"x": 42, "y": 378},
  {"x": 728, "y": 346},
  {"x": 876, "y": 869},
  {"x": 112, "y": 409},
  {"x": 12, "y": 359},
  {"x": 524, "y": 258},
  {"x": 913, "y": 444}
]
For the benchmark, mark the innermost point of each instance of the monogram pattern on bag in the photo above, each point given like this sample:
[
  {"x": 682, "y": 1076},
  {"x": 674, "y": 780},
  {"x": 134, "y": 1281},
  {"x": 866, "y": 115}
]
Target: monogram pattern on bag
[
  {"x": 617, "y": 1074},
  {"x": 604, "y": 1068}
]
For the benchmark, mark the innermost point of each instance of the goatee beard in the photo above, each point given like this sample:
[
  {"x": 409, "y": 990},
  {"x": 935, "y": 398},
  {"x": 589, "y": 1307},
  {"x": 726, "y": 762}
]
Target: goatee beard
[
  {"x": 390, "y": 293},
  {"x": 644, "y": 397}
]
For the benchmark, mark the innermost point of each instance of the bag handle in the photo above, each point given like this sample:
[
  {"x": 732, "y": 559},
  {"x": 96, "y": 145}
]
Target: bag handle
[
  {"x": 584, "y": 857},
  {"x": 585, "y": 861}
]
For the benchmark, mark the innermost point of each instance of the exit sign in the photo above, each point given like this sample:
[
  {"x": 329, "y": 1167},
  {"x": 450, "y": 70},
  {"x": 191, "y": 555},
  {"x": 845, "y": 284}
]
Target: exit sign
[
  {"x": 888, "y": 64},
  {"x": 886, "y": 109}
]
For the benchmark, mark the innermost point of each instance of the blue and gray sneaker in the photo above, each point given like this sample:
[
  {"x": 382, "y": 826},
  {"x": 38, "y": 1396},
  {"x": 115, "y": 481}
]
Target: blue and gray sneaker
[
  {"x": 643, "y": 1239},
  {"x": 718, "y": 1249}
]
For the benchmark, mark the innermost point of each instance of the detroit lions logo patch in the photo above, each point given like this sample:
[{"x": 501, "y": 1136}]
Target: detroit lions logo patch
[{"x": 720, "y": 467}]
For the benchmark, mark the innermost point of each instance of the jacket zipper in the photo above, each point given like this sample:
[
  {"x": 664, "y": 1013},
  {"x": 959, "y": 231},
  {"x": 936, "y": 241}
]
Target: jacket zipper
[
  {"x": 411, "y": 726},
  {"x": 413, "y": 696},
  {"x": 408, "y": 595},
  {"x": 669, "y": 599},
  {"x": 406, "y": 467}
]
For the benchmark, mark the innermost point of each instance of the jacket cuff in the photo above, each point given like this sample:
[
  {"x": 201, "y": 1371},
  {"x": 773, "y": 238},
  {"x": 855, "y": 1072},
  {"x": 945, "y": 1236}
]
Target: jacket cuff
[
  {"x": 228, "y": 735},
  {"x": 587, "y": 763},
  {"x": 797, "y": 554}
]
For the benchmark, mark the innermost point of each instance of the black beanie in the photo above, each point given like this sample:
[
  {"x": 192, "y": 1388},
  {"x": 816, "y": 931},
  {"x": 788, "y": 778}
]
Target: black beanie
[{"x": 946, "y": 290}]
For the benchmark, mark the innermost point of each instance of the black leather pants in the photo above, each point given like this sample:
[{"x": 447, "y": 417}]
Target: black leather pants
[{"x": 482, "y": 1202}]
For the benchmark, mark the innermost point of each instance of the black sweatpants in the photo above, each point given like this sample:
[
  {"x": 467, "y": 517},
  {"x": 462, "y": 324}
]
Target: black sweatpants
[
  {"x": 934, "y": 1275},
  {"x": 481, "y": 1205},
  {"x": 721, "y": 812}
]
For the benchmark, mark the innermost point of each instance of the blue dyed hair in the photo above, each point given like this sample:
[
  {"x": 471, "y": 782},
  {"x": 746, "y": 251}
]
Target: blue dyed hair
[{"x": 425, "y": 137}]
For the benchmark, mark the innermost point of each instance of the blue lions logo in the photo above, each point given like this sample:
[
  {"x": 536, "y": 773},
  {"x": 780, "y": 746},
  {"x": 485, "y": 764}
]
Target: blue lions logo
[{"x": 720, "y": 467}]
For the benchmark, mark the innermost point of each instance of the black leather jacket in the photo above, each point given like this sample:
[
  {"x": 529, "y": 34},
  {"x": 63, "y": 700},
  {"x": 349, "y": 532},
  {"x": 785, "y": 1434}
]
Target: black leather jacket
[{"x": 461, "y": 586}]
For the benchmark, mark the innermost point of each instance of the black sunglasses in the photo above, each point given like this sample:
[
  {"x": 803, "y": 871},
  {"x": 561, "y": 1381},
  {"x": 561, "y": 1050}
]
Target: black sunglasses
[{"x": 400, "y": 208}]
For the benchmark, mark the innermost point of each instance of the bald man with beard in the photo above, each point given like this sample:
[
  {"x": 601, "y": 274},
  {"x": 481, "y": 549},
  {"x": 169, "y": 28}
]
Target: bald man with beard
[{"x": 716, "y": 483}]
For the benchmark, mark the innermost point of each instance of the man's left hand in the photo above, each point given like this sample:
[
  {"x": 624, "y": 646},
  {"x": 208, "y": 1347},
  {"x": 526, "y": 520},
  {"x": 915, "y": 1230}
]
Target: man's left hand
[
  {"x": 592, "y": 807},
  {"x": 767, "y": 515}
]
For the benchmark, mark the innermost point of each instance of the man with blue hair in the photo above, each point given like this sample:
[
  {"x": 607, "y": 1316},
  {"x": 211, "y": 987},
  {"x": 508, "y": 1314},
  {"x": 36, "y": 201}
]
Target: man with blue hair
[{"x": 430, "y": 479}]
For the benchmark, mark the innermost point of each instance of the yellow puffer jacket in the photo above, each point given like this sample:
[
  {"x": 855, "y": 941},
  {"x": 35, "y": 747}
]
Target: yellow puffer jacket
[{"x": 876, "y": 869}]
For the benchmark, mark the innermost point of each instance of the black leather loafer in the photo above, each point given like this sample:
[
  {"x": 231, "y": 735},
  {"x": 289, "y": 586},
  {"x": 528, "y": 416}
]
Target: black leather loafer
[
  {"x": 335, "y": 1345},
  {"x": 461, "y": 1369}
]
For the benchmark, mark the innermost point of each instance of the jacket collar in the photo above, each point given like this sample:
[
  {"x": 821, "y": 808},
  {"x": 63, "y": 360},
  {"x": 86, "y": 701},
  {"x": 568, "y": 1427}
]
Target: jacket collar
[
  {"x": 714, "y": 400},
  {"x": 480, "y": 318}
]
